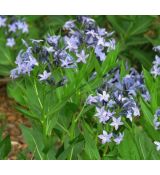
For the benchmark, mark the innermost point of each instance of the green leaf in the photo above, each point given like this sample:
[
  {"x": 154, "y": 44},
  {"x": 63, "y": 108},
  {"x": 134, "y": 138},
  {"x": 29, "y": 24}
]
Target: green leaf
[
  {"x": 136, "y": 145},
  {"x": 90, "y": 143},
  {"x": 148, "y": 79},
  {"x": 34, "y": 141},
  {"x": 110, "y": 61},
  {"x": 140, "y": 24},
  {"x": 146, "y": 112},
  {"x": 145, "y": 145},
  {"x": 5, "y": 147},
  {"x": 142, "y": 57},
  {"x": 117, "y": 24},
  {"x": 127, "y": 148}
]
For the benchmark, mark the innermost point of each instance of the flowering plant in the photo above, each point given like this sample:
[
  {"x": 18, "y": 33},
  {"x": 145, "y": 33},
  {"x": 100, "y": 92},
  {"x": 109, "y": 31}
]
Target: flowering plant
[
  {"x": 82, "y": 101},
  {"x": 12, "y": 30}
]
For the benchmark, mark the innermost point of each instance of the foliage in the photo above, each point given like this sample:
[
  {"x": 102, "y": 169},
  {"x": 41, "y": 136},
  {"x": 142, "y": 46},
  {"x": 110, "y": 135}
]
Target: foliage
[{"x": 63, "y": 125}]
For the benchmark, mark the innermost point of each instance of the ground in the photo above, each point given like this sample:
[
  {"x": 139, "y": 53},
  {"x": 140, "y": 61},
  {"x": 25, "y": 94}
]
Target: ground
[{"x": 11, "y": 119}]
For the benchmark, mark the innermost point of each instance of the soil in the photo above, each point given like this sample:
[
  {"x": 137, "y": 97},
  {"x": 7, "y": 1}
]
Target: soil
[{"x": 11, "y": 119}]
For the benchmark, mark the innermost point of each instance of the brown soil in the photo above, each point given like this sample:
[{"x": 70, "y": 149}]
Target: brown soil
[{"x": 11, "y": 119}]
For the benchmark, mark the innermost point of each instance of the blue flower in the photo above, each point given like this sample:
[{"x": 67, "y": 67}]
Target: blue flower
[
  {"x": 53, "y": 40},
  {"x": 10, "y": 42},
  {"x": 103, "y": 115},
  {"x": 23, "y": 26},
  {"x": 82, "y": 57},
  {"x": 72, "y": 43},
  {"x": 91, "y": 99},
  {"x": 101, "y": 42},
  {"x": 101, "y": 31},
  {"x": 14, "y": 73},
  {"x": 111, "y": 44},
  {"x": 44, "y": 76},
  {"x": 129, "y": 115},
  {"x": 157, "y": 60},
  {"x": 105, "y": 137},
  {"x": 69, "y": 25},
  {"x": 25, "y": 64},
  {"x": 99, "y": 53},
  {"x": 135, "y": 111},
  {"x": 156, "y": 120},
  {"x": 2, "y": 21},
  {"x": 68, "y": 62},
  {"x": 87, "y": 21},
  {"x": 116, "y": 122},
  {"x": 156, "y": 48},
  {"x": 119, "y": 138},
  {"x": 91, "y": 33},
  {"x": 155, "y": 70},
  {"x": 12, "y": 27},
  {"x": 111, "y": 103},
  {"x": 103, "y": 97}
]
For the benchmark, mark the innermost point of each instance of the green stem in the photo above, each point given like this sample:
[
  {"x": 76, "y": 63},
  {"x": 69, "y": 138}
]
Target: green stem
[
  {"x": 71, "y": 154},
  {"x": 79, "y": 115},
  {"x": 63, "y": 128},
  {"x": 36, "y": 90}
]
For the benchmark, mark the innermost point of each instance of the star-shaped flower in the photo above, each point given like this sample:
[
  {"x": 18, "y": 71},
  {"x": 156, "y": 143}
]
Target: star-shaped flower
[
  {"x": 92, "y": 33},
  {"x": 91, "y": 99},
  {"x": 102, "y": 115},
  {"x": 10, "y": 42},
  {"x": 155, "y": 70},
  {"x": 111, "y": 44},
  {"x": 67, "y": 62},
  {"x": 119, "y": 138},
  {"x": 82, "y": 57},
  {"x": 12, "y": 27},
  {"x": 100, "y": 54},
  {"x": 72, "y": 43},
  {"x": 69, "y": 25},
  {"x": 116, "y": 122},
  {"x": 53, "y": 40},
  {"x": 44, "y": 76},
  {"x": 136, "y": 111},
  {"x": 25, "y": 28},
  {"x": 102, "y": 31},
  {"x": 87, "y": 20},
  {"x": 31, "y": 61},
  {"x": 103, "y": 97},
  {"x": 101, "y": 41},
  {"x": 105, "y": 137},
  {"x": 22, "y": 26}
]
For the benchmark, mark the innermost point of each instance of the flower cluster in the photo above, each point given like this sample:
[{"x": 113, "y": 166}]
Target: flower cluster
[
  {"x": 156, "y": 63},
  {"x": 156, "y": 120},
  {"x": 25, "y": 63},
  {"x": 12, "y": 28},
  {"x": 116, "y": 102},
  {"x": 78, "y": 38}
]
